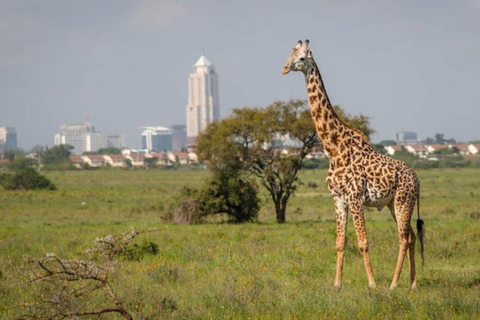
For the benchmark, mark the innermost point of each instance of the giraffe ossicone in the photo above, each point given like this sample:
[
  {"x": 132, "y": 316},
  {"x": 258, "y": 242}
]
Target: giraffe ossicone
[{"x": 359, "y": 176}]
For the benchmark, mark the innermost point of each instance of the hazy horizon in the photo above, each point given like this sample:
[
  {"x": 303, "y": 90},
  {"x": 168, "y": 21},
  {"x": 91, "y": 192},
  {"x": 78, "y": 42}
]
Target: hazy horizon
[{"x": 408, "y": 65}]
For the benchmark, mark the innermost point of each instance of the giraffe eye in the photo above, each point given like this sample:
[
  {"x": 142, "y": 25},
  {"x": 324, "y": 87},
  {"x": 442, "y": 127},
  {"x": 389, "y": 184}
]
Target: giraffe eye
[{"x": 302, "y": 59}]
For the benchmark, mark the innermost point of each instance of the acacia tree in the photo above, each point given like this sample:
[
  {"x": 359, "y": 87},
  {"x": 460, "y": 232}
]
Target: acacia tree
[{"x": 249, "y": 140}]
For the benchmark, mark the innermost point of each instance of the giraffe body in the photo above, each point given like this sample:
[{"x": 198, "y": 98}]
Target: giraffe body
[{"x": 358, "y": 176}]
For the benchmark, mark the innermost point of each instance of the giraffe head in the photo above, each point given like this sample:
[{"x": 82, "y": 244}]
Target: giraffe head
[{"x": 300, "y": 59}]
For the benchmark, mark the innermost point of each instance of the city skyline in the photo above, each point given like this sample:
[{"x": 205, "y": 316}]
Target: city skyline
[{"x": 407, "y": 65}]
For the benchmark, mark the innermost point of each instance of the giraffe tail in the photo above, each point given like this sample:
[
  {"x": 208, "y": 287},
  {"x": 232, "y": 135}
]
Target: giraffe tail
[{"x": 420, "y": 230}]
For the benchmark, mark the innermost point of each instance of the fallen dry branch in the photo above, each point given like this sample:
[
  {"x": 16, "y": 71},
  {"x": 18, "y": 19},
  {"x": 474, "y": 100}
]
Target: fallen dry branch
[{"x": 72, "y": 283}]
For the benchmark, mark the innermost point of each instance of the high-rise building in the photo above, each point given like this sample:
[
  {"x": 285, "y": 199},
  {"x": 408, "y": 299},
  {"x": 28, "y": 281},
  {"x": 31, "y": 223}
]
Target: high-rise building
[
  {"x": 116, "y": 140},
  {"x": 406, "y": 137},
  {"x": 8, "y": 139},
  {"x": 203, "y": 103},
  {"x": 83, "y": 138},
  {"x": 179, "y": 137},
  {"x": 156, "y": 139}
]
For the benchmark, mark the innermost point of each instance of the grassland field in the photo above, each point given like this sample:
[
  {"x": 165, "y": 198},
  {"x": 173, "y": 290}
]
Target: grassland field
[{"x": 257, "y": 270}]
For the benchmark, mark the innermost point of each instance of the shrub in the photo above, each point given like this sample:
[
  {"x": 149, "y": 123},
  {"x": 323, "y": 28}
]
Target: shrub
[
  {"x": 230, "y": 194},
  {"x": 26, "y": 179},
  {"x": 188, "y": 211},
  {"x": 226, "y": 192}
]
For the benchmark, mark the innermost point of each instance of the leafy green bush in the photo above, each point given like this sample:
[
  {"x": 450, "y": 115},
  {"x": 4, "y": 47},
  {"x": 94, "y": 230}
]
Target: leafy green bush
[
  {"x": 26, "y": 179},
  {"x": 225, "y": 192},
  {"x": 230, "y": 194}
]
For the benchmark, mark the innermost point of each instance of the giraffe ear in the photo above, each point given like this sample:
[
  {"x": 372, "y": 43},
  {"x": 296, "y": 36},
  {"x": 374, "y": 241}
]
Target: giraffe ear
[{"x": 309, "y": 54}]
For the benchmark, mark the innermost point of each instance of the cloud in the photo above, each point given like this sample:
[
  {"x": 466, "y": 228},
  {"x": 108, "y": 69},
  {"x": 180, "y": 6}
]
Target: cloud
[{"x": 158, "y": 14}]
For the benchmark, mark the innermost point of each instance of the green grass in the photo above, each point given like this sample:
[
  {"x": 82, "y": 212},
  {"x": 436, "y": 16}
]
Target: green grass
[{"x": 259, "y": 271}]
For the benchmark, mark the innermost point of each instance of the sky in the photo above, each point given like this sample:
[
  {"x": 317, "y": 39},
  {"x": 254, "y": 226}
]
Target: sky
[{"x": 410, "y": 65}]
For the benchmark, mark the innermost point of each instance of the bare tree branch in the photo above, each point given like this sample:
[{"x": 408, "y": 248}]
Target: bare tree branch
[{"x": 72, "y": 281}]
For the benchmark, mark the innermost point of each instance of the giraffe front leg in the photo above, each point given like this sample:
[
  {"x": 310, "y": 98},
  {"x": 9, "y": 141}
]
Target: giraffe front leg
[
  {"x": 359, "y": 221},
  {"x": 341, "y": 214}
]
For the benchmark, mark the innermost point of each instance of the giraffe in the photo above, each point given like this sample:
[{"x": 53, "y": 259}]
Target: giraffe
[{"x": 359, "y": 176}]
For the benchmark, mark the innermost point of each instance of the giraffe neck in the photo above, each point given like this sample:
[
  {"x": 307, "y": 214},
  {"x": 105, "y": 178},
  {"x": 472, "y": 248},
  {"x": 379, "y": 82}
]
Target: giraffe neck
[{"x": 330, "y": 128}]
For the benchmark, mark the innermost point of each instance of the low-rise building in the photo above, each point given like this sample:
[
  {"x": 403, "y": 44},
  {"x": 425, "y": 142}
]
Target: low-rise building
[
  {"x": 115, "y": 160},
  {"x": 462, "y": 148},
  {"x": 392, "y": 149},
  {"x": 474, "y": 148},
  {"x": 436, "y": 147},
  {"x": 136, "y": 159},
  {"x": 420, "y": 151},
  {"x": 94, "y": 160},
  {"x": 77, "y": 161}
]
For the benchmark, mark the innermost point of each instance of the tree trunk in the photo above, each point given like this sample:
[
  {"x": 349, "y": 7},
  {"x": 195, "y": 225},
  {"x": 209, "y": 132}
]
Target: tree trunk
[{"x": 280, "y": 210}]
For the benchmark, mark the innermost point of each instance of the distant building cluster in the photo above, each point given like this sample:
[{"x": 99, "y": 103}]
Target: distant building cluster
[
  {"x": 133, "y": 159},
  {"x": 429, "y": 152},
  {"x": 84, "y": 138},
  {"x": 202, "y": 109},
  {"x": 8, "y": 139}
]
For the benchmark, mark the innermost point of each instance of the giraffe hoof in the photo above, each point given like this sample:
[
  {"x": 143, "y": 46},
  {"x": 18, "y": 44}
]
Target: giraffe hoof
[
  {"x": 413, "y": 287},
  {"x": 372, "y": 285},
  {"x": 337, "y": 287}
]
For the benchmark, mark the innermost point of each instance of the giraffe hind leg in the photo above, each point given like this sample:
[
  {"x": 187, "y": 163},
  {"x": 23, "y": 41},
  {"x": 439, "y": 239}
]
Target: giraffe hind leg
[
  {"x": 411, "y": 258},
  {"x": 406, "y": 239}
]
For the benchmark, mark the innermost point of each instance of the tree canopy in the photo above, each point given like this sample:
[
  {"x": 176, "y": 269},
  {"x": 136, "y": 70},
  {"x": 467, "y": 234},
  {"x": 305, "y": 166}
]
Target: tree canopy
[{"x": 57, "y": 157}]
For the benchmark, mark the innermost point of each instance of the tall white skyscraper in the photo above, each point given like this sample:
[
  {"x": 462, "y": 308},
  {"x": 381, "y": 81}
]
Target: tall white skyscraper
[{"x": 203, "y": 104}]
